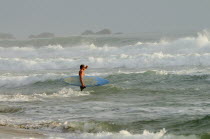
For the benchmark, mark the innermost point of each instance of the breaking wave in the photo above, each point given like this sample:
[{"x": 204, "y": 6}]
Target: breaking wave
[
  {"x": 188, "y": 51},
  {"x": 94, "y": 130},
  {"x": 11, "y": 81},
  {"x": 64, "y": 92},
  {"x": 127, "y": 135}
]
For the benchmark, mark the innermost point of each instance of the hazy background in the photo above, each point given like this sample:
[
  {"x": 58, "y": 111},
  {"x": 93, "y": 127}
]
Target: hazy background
[{"x": 67, "y": 17}]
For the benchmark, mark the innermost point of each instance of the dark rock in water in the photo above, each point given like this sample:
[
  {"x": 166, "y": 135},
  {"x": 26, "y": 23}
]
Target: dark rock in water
[
  {"x": 104, "y": 32},
  {"x": 118, "y": 33},
  {"x": 42, "y": 35},
  {"x": 88, "y": 32},
  {"x": 101, "y": 32},
  {"x": 6, "y": 36}
]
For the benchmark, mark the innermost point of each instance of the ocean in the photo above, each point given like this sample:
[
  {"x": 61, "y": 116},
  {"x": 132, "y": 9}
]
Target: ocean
[{"x": 159, "y": 87}]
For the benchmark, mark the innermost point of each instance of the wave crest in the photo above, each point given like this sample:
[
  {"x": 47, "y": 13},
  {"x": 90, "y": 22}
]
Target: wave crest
[
  {"x": 188, "y": 51},
  {"x": 42, "y": 96}
]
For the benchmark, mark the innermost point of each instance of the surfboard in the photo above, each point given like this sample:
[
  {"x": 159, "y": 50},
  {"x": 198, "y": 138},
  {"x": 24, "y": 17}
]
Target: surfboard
[{"x": 89, "y": 81}]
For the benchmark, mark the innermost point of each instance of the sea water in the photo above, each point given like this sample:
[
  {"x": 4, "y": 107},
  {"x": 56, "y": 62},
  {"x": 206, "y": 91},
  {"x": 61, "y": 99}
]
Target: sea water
[{"x": 159, "y": 87}]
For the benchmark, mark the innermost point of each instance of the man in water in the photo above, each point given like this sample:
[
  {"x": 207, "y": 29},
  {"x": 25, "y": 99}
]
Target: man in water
[{"x": 81, "y": 75}]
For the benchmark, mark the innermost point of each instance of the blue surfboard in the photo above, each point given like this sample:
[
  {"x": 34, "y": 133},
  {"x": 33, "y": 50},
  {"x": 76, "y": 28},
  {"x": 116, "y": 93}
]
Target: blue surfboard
[{"x": 89, "y": 81}]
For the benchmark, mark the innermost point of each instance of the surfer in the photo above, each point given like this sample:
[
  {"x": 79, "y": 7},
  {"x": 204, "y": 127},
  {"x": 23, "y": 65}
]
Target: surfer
[{"x": 81, "y": 75}]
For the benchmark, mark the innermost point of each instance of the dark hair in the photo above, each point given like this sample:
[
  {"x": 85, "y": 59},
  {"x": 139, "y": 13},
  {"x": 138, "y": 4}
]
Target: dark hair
[{"x": 81, "y": 66}]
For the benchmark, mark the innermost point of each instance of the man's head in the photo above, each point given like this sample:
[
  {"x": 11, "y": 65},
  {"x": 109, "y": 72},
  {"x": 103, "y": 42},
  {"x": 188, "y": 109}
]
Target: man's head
[{"x": 82, "y": 66}]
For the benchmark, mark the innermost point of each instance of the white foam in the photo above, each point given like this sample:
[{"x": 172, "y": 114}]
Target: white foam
[
  {"x": 65, "y": 92},
  {"x": 21, "y": 80},
  {"x": 83, "y": 131},
  {"x": 121, "y": 135},
  {"x": 42, "y": 96},
  {"x": 188, "y": 51},
  {"x": 19, "y": 98},
  {"x": 127, "y": 135}
]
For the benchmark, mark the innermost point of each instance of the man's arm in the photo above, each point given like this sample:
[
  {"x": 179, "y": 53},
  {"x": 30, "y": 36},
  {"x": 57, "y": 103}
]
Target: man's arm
[{"x": 86, "y": 67}]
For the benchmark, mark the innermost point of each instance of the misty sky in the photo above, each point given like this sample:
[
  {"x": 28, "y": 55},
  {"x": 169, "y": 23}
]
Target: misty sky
[{"x": 64, "y": 17}]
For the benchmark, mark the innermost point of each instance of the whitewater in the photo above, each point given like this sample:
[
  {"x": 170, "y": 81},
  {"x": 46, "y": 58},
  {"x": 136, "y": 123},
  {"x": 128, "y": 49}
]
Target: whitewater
[{"x": 159, "y": 88}]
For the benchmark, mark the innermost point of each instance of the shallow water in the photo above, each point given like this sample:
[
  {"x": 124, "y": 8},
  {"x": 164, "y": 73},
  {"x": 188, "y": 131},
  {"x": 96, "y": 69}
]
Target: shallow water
[{"x": 157, "y": 90}]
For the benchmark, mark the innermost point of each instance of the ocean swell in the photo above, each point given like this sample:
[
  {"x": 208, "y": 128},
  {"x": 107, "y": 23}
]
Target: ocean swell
[{"x": 188, "y": 51}]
